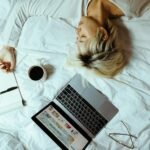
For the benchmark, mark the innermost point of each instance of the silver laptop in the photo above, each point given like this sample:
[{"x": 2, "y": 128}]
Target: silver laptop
[{"x": 76, "y": 115}]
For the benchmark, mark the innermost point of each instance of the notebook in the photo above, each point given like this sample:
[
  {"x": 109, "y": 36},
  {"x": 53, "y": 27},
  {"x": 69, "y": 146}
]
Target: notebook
[
  {"x": 10, "y": 96},
  {"x": 76, "y": 115}
]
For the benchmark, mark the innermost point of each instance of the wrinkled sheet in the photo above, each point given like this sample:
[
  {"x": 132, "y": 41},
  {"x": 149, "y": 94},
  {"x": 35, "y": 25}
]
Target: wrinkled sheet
[{"x": 129, "y": 91}]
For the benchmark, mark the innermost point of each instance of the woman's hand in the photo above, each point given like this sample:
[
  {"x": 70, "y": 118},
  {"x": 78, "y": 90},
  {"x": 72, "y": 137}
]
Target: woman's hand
[{"x": 7, "y": 59}]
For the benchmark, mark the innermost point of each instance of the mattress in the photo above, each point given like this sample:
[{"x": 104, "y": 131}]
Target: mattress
[{"x": 129, "y": 91}]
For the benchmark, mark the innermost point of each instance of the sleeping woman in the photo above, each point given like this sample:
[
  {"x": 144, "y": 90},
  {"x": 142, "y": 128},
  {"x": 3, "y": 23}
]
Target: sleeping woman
[{"x": 97, "y": 37}]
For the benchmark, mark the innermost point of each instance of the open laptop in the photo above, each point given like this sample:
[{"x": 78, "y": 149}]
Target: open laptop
[{"x": 77, "y": 113}]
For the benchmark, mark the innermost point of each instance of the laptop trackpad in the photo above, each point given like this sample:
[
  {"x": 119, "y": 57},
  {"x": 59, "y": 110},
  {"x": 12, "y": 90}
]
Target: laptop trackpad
[{"x": 94, "y": 97}]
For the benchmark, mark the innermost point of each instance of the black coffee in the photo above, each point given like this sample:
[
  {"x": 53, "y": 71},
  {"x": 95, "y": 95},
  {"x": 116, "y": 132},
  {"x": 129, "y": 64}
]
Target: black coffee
[{"x": 36, "y": 73}]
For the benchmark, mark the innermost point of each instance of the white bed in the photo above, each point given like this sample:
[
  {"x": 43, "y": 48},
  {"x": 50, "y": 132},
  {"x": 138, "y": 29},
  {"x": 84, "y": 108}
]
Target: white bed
[{"x": 129, "y": 91}]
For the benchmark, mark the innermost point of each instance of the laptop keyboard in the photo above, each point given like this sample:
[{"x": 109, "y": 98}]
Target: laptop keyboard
[{"x": 81, "y": 109}]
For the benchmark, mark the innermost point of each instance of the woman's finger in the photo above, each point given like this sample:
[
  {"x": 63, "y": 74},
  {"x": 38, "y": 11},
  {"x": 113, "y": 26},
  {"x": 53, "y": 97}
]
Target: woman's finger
[
  {"x": 13, "y": 61},
  {"x": 5, "y": 66},
  {"x": 12, "y": 66}
]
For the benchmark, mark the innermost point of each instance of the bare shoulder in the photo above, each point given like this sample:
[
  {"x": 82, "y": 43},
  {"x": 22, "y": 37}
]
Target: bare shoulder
[{"x": 114, "y": 10}]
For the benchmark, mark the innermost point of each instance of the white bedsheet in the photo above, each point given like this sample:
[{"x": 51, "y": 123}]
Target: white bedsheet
[{"x": 129, "y": 91}]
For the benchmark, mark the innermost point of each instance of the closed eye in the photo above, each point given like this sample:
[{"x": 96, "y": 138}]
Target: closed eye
[{"x": 83, "y": 38}]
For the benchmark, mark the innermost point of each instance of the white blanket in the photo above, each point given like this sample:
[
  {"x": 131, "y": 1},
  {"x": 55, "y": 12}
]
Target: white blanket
[{"x": 129, "y": 91}]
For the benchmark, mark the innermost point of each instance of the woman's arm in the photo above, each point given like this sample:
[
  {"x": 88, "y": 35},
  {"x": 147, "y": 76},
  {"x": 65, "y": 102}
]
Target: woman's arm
[{"x": 112, "y": 9}]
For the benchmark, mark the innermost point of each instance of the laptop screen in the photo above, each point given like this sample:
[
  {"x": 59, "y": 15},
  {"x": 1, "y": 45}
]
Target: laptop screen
[{"x": 60, "y": 129}]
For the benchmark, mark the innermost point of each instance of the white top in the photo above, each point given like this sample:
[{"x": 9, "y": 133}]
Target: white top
[
  {"x": 85, "y": 6},
  {"x": 133, "y": 8}
]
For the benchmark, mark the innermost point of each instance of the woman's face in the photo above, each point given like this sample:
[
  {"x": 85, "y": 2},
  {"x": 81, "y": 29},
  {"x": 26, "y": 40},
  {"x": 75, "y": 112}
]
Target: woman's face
[{"x": 87, "y": 29}]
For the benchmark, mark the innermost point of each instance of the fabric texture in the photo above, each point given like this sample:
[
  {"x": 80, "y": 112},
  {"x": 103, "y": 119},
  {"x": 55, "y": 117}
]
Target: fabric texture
[{"x": 23, "y": 10}]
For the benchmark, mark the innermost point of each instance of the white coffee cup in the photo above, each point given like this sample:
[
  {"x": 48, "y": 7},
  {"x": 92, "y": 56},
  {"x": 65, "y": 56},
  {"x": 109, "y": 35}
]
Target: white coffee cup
[{"x": 37, "y": 72}]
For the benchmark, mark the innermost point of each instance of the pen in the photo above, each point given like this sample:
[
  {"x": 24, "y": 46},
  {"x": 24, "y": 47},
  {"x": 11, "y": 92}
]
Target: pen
[{"x": 9, "y": 89}]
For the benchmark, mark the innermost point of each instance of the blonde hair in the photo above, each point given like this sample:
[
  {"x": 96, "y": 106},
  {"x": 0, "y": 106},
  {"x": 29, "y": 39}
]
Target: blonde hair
[{"x": 103, "y": 57}]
